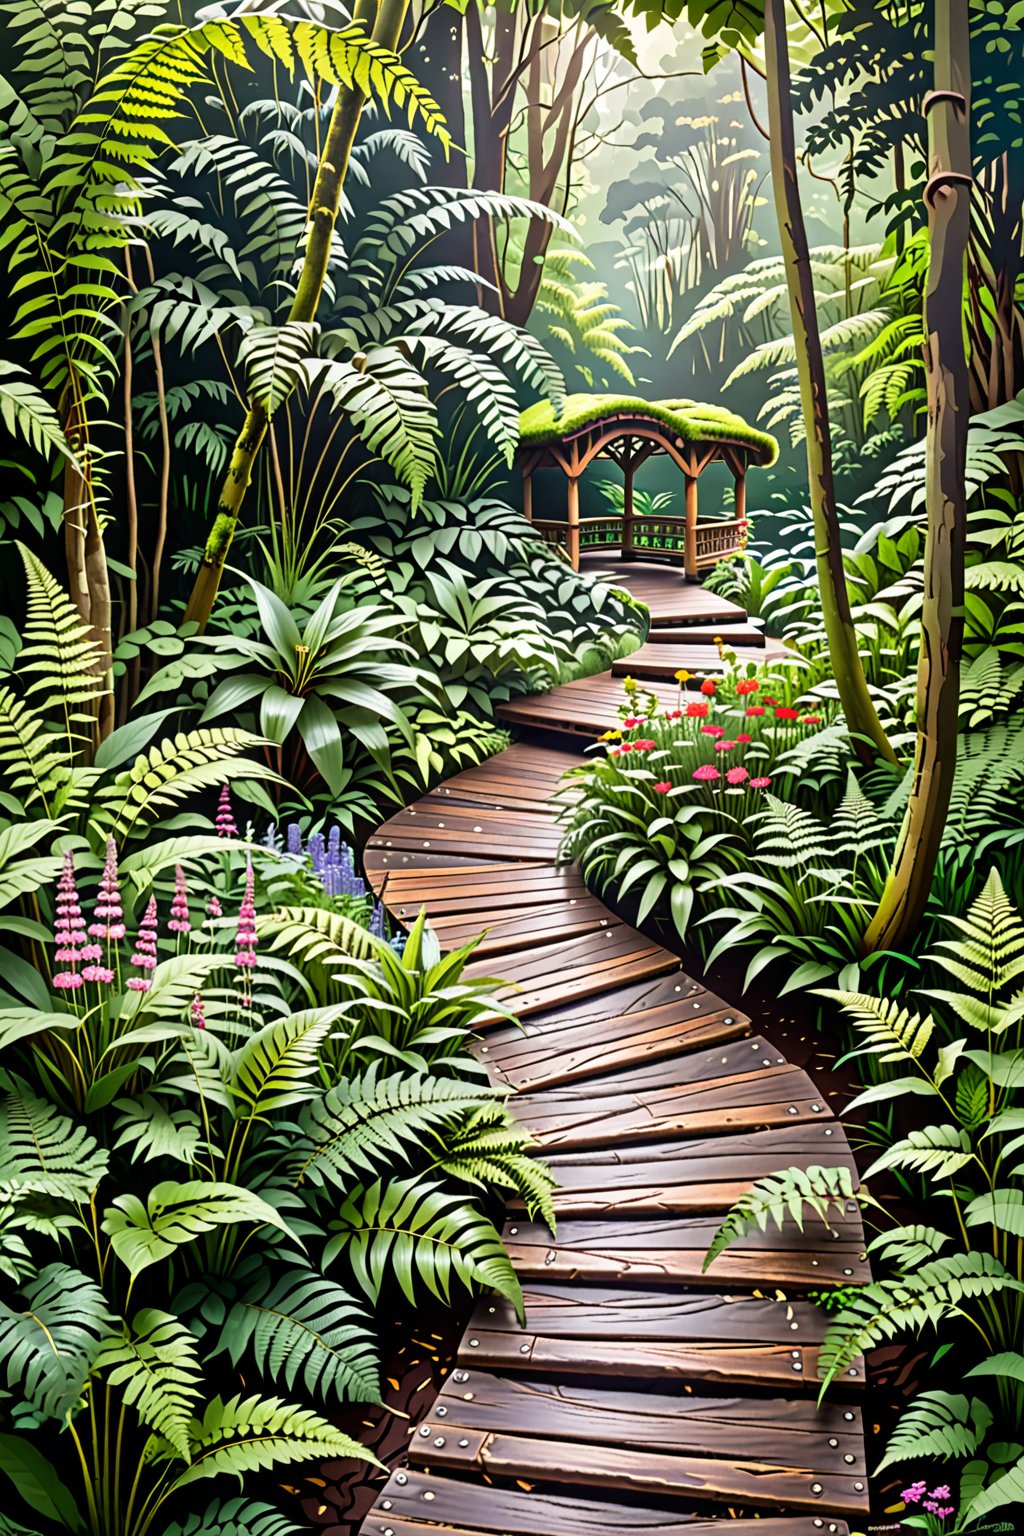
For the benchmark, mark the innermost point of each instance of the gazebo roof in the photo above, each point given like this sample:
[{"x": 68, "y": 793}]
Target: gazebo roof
[{"x": 539, "y": 425}]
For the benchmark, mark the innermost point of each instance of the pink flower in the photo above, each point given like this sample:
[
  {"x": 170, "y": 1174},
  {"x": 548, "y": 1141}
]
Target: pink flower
[
  {"x": 914, "y": 1493},
  {"x": 69, "y": 930},
  {"x": 225, "y": 822},
  {"x": 747, "y": 685},
  {"x": 645, "y": 745},
  {"x": 246, "y": 938},
  {"x": 144, "y": 955},
  {"x": 708, "y": 687},
  {"x": 109, "y": 917},
  {"x": 214, "y": 908},
  {"x": 614, "y": 751},
  {"x": 67, "y": 981},
  {"x": 755, "y": 709},
  {"x": 705, "y": 773},
  {"x": 97, "y": 973},
  {"x": 627, "y": 746},
  {"x": 198, "y": 1011},
  {"x": 737, "y": 775},
  {"x": 724, "y": 746},
  {"x": 941, "y": 1492},
  {"x": 759, "y": 783},
  {"x": 783, "y": 712},
  {"x": 697, "y": 710},
  {"x": 179, "y": 921},
  {"x": 138, "y": 984},
  {"x": 712, "y": 730},
  {"x": 664, "y": 787}
]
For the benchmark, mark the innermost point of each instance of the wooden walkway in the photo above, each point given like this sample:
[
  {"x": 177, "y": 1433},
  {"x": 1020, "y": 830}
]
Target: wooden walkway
[{"x": 643, "y": 1397}]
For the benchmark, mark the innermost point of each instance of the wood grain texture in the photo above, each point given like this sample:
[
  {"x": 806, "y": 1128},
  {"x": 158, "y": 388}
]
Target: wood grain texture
[{"x": 643, "y": 1394}]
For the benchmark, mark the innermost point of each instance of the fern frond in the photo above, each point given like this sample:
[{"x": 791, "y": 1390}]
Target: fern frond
[
  {"x": 59, "y": 653},
  {"x": 252, "y": 1435},
  {"x": 990, "y": 954},
  {"x": 937, "y": 1424},
  {"x": 306, "y": 1325},
  {"x": 42, "y": 1152},
  {"x": 781, "y": 1196},
  {"x": 179, "y": 766},
  {"x": 155, "y": 1365}
]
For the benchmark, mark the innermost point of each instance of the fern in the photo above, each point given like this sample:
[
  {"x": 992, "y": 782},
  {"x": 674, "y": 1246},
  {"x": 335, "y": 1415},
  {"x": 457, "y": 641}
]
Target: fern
[
  {"x": 175, "y": 1214},
  {"x": 235, "y": 1517},
  {"x": 304, "y": 1325},
  {"x": 59, "y": 653},
  {"x": 156, "y": 1367},
  {"x": 888, "y": 1308},
  {"x": 788, "y": 836},
  {"x": 907, "y": 1247},
  {"x": 782, "y": 1196},
  {"x": 411, "y": 1229},
  {"x": 990, "y": 955},
  {"x": 892, "y": 1032},
  {"x": 252, "y": 1435},
  {"x": 366, "y": 1119},
  {"x": 937, "y": 1424},
  {"x": 179, "y": 766},
  {"x": 272, "y": 1069},
  {"x": 26, "y": 413},
  {"x": 43, "y": 1152},
  {"x": 316, "y": 936},
  {"x": 489, "y": 1150},
  {"x": 47, "y": 1349},
  {"x": 939, "y": 1151},
  {"x": 273, "y": 357}
]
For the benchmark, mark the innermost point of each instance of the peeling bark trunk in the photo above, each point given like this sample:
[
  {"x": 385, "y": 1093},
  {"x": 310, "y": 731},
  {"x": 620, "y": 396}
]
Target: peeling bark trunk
[
  {"x": 323, "y": 214},
  {"x": 861, "y": 717},
  {"x": 947, "y": 195}
]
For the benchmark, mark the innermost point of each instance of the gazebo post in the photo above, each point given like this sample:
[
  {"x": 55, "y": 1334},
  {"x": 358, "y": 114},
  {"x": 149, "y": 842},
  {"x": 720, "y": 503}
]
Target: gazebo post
[
  {"x": 690, "y": 534},
  {"x": 528, "y": 495},
  {"x": 741, "y": 493},
  {"x": 628, "y": 467},
  {"x": 572, "y": 539}
]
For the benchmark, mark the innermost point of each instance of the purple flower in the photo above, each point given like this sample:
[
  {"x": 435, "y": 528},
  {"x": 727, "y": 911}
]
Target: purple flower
[
  {"x": 198, "y": 1011},
  {"x": 68, "y": 933},
  {"x": 315, "y": 849},
  {"x": 246, "y": 938},
  {"x": 376, "y": 923},
  {"x": 225, "y": 822},
  {"x": 293, "y": 840},
  {"x": 915, "y": 1493},
  {"x": 108, "y": 914},
  {"x": 179, "y": 921}
]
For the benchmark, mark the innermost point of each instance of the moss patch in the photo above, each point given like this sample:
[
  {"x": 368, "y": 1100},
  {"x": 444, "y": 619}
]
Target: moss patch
[{"x": 693, "y": 422}]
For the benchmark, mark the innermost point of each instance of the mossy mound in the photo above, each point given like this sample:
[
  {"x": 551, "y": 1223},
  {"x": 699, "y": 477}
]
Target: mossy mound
[{"x": 693, "y": 422}]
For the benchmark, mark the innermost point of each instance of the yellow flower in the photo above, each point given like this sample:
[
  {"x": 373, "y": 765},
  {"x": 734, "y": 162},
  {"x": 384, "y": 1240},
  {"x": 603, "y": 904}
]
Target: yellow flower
[
  {"x": 682, "y": 676},
  {"x": 629, "y": 685},
  {"x": 611, "y": 736}
]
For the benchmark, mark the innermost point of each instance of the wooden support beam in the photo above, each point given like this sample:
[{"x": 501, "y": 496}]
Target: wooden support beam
[
  {"x": 572, "y": 542},
  {"x": 528, "y": 495},
  {"x": 690, "y": 536}
]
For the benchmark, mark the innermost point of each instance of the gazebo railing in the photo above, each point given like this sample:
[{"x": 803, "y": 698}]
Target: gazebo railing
[{"x": 663, "y": 537}]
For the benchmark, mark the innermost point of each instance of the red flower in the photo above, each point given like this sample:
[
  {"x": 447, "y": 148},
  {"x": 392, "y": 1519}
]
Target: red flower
[
  {"x": 782, "y": 713},
  {"x": 811, "y": 720},
  {"x": 747, "y": 685},
  {"x": 755, "y": 709},
  {"x": 770, "y": 701},
  {"x": 705, "y": 773},
  {"x": 744, "y": 738},
  {"x": 614, "y": 751},
  {"x": 644, "y": 745},
  {"x": 708, "y": 687},
  {"x": 759, "y": 783},
  {"x": 675, "y": 714},
  {"x": 632, "y": 721},
  {"x": 664, "y": 787},
  {"x": 712, "y": 730},
  {"x": 696, "y": 711},
  {"x": 736, "y": 775}
]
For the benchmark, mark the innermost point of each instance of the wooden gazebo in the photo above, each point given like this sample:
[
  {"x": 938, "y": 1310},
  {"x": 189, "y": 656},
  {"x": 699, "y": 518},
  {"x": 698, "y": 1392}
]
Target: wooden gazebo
[{"x": 630, "y": 431}]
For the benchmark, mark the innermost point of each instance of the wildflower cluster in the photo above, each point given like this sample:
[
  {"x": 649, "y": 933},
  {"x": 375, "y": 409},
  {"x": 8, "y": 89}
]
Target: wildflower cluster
[
  {"x": 332, "y": 861},
  {"x": 937, "y": 1502}
]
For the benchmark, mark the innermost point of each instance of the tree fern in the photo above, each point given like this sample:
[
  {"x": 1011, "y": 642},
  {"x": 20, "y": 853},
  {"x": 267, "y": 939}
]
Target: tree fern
[
  {"x": 781, "y": 1197},
  {"x": 304, "y": 1325},
  {"x": 155, "y": 1365},
  {"x": 365, "y": 1120},
  {"x": 412, "y": 1230}
]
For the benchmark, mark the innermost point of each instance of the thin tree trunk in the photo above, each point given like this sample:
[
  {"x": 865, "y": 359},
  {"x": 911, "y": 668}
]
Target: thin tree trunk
[
  {"x": 323, "y": 215},
  {"x": 88, "y": 576},
  {"x": 947, "y": 197},
  {"x": 160, "y": 542},
  {"x": 861, "y": 717}
]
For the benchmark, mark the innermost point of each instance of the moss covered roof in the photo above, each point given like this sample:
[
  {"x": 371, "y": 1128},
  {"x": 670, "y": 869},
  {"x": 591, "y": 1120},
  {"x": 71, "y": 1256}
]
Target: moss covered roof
[{"x": 695, "y": 423}]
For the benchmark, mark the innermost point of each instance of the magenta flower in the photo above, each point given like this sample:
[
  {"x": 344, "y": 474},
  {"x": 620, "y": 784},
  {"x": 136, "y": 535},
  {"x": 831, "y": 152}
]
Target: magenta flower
[
  {"x": 108, "y": 916},
  {"x": 915, "y": 1493},
  {"x": 246, "y": 938},
  {"x": 214, "y": 908},
  {"x": 737, "y": 775},
  {"x": 198, "y": 1011},
  {"x": 179, "y": 921},
  {"x": 225, "y": 822},
  {"x": 69, "y": 929},
  {"x": 941, "y": 1492},
  {"x": 724, "y": 746},
  {"x": 705, "y": 773},
  {"x": 713, "y": 730},
  {"x": 144, "y": 954},
  {"x": 760, "y": 783}
]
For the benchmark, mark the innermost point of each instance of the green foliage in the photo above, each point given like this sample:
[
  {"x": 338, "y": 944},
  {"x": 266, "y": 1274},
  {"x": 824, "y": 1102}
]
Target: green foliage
[{"x": 694, "y": 423}]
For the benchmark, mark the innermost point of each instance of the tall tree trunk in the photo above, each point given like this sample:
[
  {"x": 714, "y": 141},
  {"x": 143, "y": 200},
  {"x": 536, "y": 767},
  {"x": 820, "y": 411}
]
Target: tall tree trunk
[
  {"x": 861, "y": 718},
  {"x": 947, "y": 195},
  {"x": 323, "y": 214}
]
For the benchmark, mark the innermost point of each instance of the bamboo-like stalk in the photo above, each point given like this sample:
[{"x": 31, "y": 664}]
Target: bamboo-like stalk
[
  {"x": 861, "y": 716},
  {"x": 323, "y": 214},
  {"x": 948, "y": 199}
]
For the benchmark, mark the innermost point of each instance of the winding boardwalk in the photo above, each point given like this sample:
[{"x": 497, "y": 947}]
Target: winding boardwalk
[{"x": 643, "y": 1397}]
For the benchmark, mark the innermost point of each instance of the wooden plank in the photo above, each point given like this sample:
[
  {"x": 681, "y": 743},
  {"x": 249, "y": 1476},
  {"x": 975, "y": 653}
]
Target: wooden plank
[
  {"x": 584, "y": 707},
  {"x": 508, "y": 931},
  {"x": 751, "y": 1483},
  {"x": 654, "y": 661},
  {"x": 754, "y": 1100},
  {"x": 650, "y": 1021},
  {"x": 550, "y": 974},
  {"x": 459, "y": 892},
  {"x": 412, "y": 1498},
  {"x": 707, "y": 1174},
  {"x": 575, "y": 1330},
  {"x": 731, "y": 632},
  {"x": 663, "y": 1251}
]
